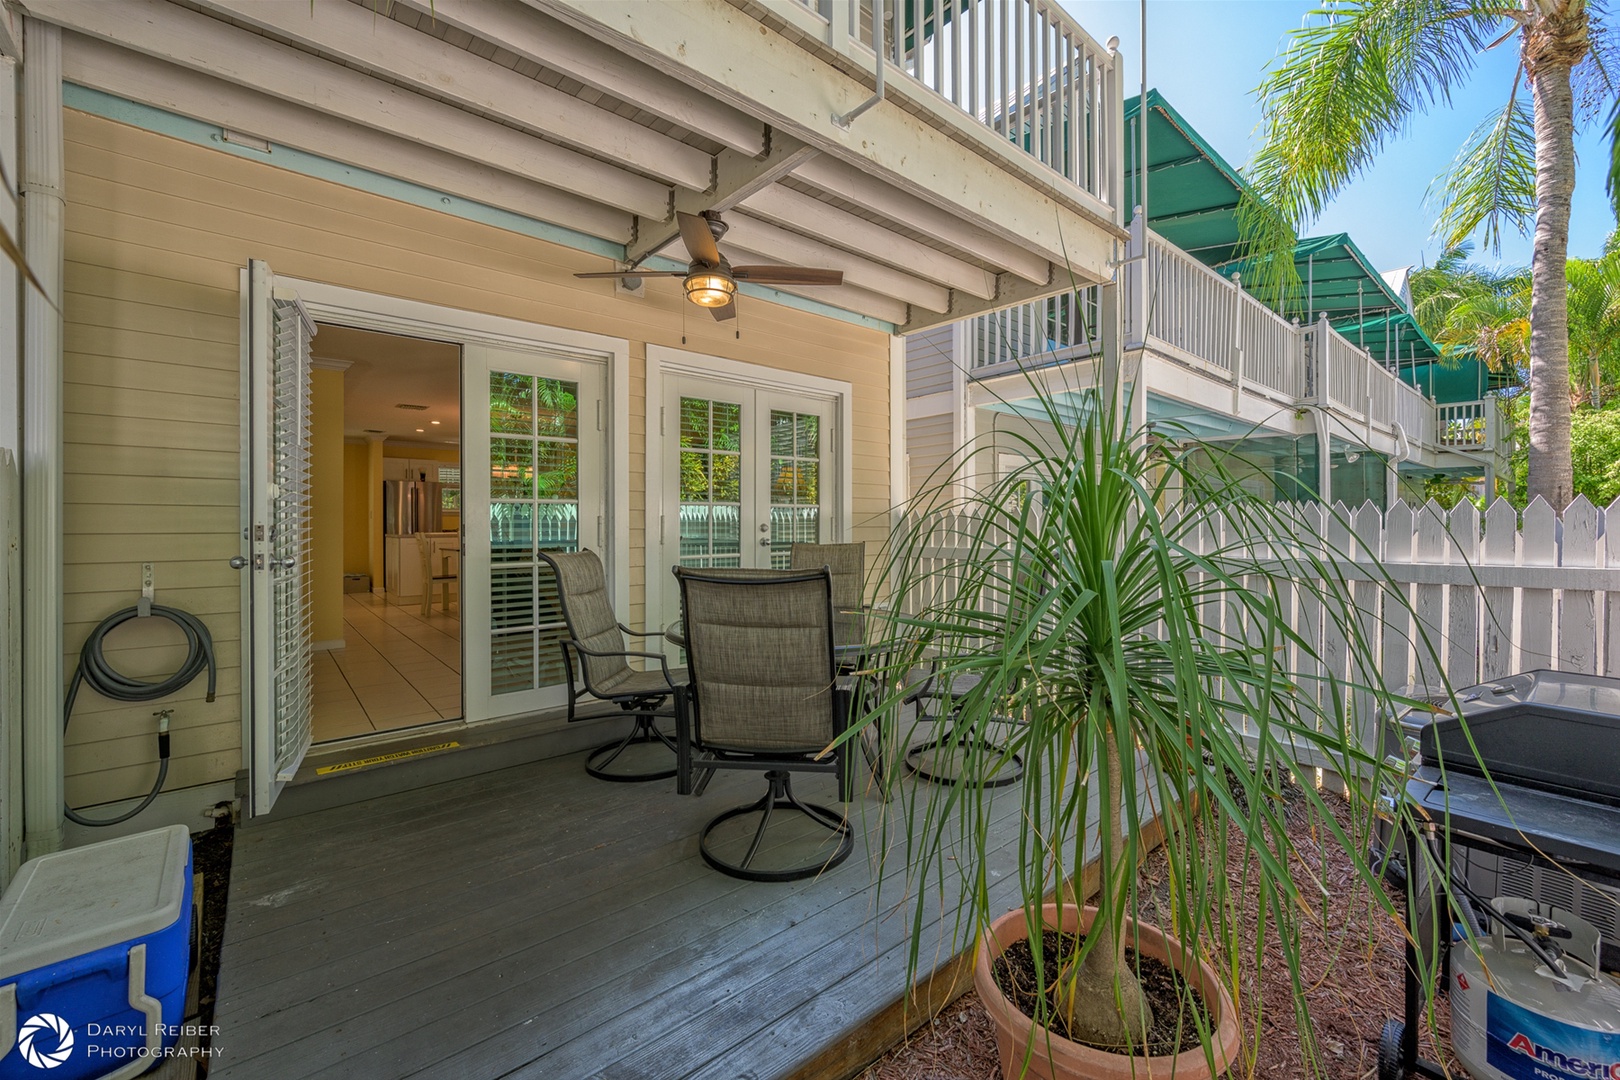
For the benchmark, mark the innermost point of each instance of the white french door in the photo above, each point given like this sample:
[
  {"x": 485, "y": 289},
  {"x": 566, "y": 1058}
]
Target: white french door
[
  {"x": 748, "y": 472},
  {"x": 533, "y": 480},
  {"x": 279, "y": 688}
]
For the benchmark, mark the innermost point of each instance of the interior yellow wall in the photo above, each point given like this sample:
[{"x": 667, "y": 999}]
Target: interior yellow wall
[
  {"x": 356, "y": 509},
  {"x": 157, "y": 233},
  {"x": 326, "y": 505}
]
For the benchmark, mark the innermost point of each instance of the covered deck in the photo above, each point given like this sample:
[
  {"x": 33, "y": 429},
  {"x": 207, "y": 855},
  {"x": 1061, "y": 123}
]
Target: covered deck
[{"x": 534, "y": 922}]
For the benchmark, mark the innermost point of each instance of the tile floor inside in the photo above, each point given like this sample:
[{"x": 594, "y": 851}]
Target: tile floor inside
[{"x": 398, "y": 668}]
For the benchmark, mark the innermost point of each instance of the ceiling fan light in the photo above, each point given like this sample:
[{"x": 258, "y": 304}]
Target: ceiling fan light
[{"x": 709, "y": 288}]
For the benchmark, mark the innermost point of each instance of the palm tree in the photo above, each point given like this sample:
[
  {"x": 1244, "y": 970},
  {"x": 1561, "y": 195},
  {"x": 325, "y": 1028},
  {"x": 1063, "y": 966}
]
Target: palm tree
[{"x": 1359, "y": 70}]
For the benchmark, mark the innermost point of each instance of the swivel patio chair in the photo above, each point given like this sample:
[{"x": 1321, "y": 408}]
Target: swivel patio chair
[
  {"x": 596, "y": 638},
  {"x": 848, "y": 565},
  {"x": 764, "y": 694}
]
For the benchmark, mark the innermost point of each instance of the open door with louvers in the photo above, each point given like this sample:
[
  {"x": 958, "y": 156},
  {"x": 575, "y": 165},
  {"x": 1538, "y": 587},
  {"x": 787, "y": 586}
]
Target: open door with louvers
[{"x": 278, "y": 682}]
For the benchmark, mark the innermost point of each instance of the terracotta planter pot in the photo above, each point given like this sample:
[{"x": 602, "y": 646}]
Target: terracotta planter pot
[{"x": 1054, "y": 1058}]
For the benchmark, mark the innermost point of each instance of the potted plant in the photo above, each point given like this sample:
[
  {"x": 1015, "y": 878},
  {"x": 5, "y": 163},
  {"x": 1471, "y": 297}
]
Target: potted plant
[{"x": 1116, "y": 608}]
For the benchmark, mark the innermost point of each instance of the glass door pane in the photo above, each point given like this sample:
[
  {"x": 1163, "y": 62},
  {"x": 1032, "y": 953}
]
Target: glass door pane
[
  {"x": 532, "y": 481},
  {"x": 795, "y": 483},
  {"x": 710, "y": 469}
]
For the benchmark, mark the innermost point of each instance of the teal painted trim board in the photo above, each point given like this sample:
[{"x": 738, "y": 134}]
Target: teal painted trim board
[{"x": 162, "y": 122}]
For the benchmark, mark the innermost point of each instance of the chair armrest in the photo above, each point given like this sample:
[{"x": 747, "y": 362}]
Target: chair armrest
[
  {"x": 663, "y": 661},
  {"x": 640, "y": 633}
]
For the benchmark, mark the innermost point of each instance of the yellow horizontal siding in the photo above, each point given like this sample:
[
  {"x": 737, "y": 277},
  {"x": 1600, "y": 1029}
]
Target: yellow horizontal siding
[{"x": 157, "y": 231}]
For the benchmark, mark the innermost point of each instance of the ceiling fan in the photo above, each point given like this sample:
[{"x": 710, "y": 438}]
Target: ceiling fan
[{"x": 710, "y": 280}]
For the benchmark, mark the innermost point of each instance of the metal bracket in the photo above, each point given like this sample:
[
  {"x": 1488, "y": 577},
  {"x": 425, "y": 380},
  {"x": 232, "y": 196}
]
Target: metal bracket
[{"x": 144, "y": 607}]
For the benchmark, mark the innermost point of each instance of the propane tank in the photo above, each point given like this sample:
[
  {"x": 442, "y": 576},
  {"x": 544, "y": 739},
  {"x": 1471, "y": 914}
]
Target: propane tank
[{"x": 1514, "y": 1018}]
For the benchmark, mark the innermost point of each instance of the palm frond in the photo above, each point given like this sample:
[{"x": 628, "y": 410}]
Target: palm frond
[
  {"x": 1491, "y": 183},
  {"x": 1349, "y": 80}
]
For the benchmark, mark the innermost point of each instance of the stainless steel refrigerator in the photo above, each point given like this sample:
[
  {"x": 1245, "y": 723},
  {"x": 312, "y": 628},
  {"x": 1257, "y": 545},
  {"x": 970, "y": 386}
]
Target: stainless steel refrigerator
[{"x": 412, "y": 506}]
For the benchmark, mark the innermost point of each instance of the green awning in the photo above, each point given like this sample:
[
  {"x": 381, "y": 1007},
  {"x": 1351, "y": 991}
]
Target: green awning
[
  {"x": 1334, "y": 278},
  {"x": 1390, "y": 338},
  {"x": 1193, "y": 193}
]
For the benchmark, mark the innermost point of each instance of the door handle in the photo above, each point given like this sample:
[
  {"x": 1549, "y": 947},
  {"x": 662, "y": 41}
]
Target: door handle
[
  {"x": 764, "y": 541},
  {"x": 289, "y": 563},
  {"x": 239, "y": 562}
]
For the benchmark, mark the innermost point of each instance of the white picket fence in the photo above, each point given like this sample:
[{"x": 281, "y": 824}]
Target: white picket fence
[{"x": 1484, "y": 598}]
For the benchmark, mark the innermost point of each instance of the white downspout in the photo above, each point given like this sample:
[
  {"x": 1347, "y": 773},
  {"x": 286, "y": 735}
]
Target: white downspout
[
  {"x": 879, "y": 47},
  {"x": 43, "y": 204}
]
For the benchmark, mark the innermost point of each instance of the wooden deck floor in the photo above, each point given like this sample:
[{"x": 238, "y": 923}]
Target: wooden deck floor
[{"x": 536, "y": 923}]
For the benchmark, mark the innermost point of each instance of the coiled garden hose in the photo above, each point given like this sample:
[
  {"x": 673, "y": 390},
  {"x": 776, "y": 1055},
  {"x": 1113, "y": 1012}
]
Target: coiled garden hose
[{"x": 94, "y": 671}]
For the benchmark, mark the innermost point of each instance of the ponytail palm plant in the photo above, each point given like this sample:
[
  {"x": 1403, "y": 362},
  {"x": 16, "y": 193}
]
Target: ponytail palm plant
[{"x": 1153, "y": 638}]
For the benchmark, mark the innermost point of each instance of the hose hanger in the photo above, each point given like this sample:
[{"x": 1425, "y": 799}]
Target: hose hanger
[{"x": 95, "y": 672}]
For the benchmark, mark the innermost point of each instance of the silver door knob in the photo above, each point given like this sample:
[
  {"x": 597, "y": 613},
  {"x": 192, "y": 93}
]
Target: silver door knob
[
  {"x": 764, "y": 541},
  {"x": 239, "y": 562},
  {"x": 289, "y": 563}
]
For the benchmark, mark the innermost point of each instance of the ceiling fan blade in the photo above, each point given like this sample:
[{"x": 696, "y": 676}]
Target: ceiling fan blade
[
  {"x": 721, "y": 314},
  {"x": 787, "y": 275},
  {"x": 634, "y": 273},
  {"x": 698, "y": 239}
]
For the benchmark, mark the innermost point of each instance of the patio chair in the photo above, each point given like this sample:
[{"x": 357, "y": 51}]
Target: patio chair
[
  {"x": 596, "y": 638},
  {"x": 941, "y": 695},
  {"x": 763, "y": 695},
  {"x": 848, "y": 565}
]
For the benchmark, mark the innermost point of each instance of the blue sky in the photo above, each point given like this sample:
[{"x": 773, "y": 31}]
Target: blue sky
[{"x": 1207, "y": 56}]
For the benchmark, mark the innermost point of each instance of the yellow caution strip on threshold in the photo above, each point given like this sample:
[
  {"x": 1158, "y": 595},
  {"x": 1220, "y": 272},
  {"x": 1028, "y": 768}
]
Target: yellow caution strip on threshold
[{"x": 345, "y": 766}]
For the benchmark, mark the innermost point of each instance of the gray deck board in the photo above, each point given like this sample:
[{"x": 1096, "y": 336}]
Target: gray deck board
[{"x": 537, "y": 923}]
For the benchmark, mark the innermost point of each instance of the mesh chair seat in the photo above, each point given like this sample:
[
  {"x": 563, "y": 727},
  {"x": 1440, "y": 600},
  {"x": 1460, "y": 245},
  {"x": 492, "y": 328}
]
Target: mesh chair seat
[
  {"x": 596, "y": 641},
  {"x": 633, "y": 683}
]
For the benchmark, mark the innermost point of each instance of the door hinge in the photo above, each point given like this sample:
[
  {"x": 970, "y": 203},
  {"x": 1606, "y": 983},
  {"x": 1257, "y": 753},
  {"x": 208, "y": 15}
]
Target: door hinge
[
  {"x": 598, "y": 414},
  {"x": 661, "y": 420},
  {"x": 661, "y": 528},
  {"x": 601, "y": 532}
]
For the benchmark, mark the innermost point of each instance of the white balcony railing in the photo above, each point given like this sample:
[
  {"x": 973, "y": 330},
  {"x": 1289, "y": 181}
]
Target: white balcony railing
[
  {"x": 1045, "y": 331},
  {"x": 1195, "y": 316},
  {"x": 1201, "y": 314},
  {"x": 1466, "y": 425},
  {"x": 1362, "y": 390},
  {"x": 1023, "y": 68}
]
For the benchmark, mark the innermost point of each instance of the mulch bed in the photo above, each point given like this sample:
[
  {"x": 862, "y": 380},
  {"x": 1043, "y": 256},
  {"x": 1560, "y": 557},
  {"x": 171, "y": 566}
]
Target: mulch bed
[
  {"x": 1355, "y": 951},
  {"x": 211, "y": 857}
]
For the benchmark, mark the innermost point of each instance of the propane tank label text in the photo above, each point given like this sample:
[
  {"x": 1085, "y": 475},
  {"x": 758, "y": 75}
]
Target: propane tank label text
[{"x": 1526, "y": 1045}]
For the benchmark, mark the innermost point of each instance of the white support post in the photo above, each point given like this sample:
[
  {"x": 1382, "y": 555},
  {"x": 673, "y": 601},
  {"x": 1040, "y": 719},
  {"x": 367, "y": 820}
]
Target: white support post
[
  {"x": 899, "y": 481},
  {"x": 1323, "y": 339},
  {"x": 1237, "y": 344},
  {"x": 42, "y": 186},
  {"x": 1134, "y": 279}
]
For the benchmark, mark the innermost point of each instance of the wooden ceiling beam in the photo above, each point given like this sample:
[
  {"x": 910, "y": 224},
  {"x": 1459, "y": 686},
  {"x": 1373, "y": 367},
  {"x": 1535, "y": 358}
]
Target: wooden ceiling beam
[
  {"x": 150, "y": 81},
  {"x": 736, "y": 177},
  {"x": 563, "y": 49},
  {"x": 200, "y": 43},
  {"x": 422, "y": 62}
]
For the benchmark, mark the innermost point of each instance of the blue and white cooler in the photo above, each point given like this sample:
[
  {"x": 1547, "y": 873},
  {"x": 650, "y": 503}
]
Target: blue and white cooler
[{"x": 95, "y": 949}]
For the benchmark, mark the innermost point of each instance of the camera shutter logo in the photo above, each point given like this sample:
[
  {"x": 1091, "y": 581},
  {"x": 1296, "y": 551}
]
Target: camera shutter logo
[{"x": 45, "y": 1041}]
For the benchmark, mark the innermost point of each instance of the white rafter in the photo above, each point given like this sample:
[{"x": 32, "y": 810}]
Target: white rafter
[
  {"x": 804, "y": 213},
  {"x": 150, "y": 81},
  {"x": 849, "y": 183},
  {"x": 563, "y": 49},
  {"x": 204, "y": 44},
  {"x": 752, "y": 234},
  {"x": 425, "y": 63}
]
